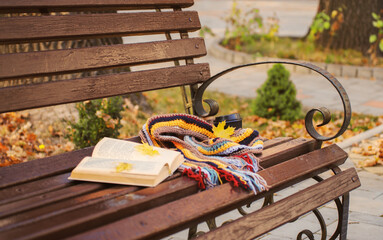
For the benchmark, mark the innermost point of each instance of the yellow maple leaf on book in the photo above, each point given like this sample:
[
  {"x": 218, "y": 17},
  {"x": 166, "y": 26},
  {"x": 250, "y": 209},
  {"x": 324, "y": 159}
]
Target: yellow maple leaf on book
[
  {"x": 221, "y": 132},
  {"x": 146, "y": 149},
  {"x": 123, "y": 167}
]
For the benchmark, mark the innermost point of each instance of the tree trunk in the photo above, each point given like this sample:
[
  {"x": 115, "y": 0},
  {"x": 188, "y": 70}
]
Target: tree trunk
[{"x": 351, "y": 28}]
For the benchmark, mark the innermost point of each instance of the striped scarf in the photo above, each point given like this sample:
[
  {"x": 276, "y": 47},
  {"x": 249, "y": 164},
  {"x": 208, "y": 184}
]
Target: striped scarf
[{"x": 208, "y": 159}]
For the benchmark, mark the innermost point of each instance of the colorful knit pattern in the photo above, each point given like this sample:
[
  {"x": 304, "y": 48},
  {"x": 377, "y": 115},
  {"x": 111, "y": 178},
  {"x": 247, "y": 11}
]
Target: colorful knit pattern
[{"x": 208, "y": 159}]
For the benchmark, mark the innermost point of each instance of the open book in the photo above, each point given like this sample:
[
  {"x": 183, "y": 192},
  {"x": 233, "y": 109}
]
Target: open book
[{"x": 125, "y": 162}]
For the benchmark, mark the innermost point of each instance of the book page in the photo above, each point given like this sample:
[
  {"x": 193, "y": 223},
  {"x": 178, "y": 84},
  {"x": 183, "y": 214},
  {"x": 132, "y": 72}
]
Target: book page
[
  {"x": 102, "y": 165},
  {"x": 114, "y": 149},
  {"x": 110, "y": 148}
]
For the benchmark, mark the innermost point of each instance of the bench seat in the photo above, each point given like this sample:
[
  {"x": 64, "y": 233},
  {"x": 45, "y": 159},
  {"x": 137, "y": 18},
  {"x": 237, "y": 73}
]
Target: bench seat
[
  {"x": 63, "y": 51},
  {"x": 51, "y": 206}
]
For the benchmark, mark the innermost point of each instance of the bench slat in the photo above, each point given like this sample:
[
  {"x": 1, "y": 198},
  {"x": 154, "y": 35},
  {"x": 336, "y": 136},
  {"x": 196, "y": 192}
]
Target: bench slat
[
  {"x": 29, "y": 189},
  {"x": 40, "y": 168},
  {"x": 275, "y": 141},
  {"x": 46, "y": 185},
  {"x": 44, "y": 28},
  {"x": 16, "y": 6},
  {"x": 304, "y": 166},
  {"x": 94, "y": 215},
  {"x": 47, "y": 198},
  {"x": 286, "y": 151},
  {"x": 18, "y": 173},
  {"x": 93, "y": 58},
  {"x": 47, "y": 94},
  {"x": 175, "y": 216},
  {"x": 67, "y": 205},
  {"x": 81, "y": 201},
  {"x": 295, "y": 205}
]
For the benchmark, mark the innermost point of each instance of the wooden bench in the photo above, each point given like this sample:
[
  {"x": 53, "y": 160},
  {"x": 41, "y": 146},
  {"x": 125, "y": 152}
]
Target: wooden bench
[{"x": 37, "y": 201}]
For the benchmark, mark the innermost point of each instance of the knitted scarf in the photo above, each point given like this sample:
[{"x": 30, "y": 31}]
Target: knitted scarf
[{"x": 208, "y": 159}]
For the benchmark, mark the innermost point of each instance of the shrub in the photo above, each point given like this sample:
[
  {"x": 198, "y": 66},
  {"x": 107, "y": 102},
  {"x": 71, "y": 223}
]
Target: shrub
[
  {"x": 97, "y": 119},
  {"x": 276, "y": 98}
]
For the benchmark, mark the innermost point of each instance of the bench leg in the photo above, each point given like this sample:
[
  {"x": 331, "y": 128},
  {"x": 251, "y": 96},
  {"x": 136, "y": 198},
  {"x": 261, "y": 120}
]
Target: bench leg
[
  {"x": 211, "y": 223},
  {"x": 342, "y": 204},
  {"x": 342, "y": 207},
  {"x": 343, "y": 217},
  {"x": 341, "y": 229}
]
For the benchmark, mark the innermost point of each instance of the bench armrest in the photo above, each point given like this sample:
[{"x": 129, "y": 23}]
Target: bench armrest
[{"x": 213, "y": 105}]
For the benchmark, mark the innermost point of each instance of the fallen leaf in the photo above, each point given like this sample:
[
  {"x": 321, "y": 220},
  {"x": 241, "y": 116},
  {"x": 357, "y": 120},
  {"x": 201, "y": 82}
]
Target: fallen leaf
[
  {"x": 123, "y": 167},
  {"x": 370, "y": 162},
  {"x": 221, "y": 132},
  {"x": 146, "y": 149}
]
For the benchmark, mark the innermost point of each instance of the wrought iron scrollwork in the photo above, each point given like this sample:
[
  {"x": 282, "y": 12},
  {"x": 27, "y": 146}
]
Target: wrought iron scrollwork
[
  {"x": 269, "y": 199},
  {"x": 310, "y": 234},
  {"x": 342, "y": 207},
  {"x": 212, "y": 224},
  {"x": 213, "y": 105}
]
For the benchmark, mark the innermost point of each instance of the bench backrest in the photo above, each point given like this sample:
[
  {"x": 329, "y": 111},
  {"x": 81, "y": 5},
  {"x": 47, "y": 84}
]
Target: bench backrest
[{"x": 84, "y": 72}]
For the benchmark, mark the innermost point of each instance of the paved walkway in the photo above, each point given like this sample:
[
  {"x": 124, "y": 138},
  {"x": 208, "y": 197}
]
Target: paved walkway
[
  {"x": 366, "y": 207},
  {"x": 295, "y": 17}
]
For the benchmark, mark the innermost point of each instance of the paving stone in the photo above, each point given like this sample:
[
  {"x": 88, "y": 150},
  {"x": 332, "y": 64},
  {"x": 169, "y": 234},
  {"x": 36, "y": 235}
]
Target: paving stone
[
  {"x": 302, "y": 70},
  {"x": 371, "y": 182},
  {"x": 335, "y": 69},
  {"x": 375, "y": 104},
  {"x": 364, "y": 72},
  {"x": 290, "y": 68},
  {"x": 357, "y": 231},
  {"x": 349, "y": 71},
  {"x": 378, "y": 74},
  {"x": 366, "y": 218},
  {"x": 365, "y": 205},
  {"x": 273, "y": 237},
  {"x": 291, "y": 230}
]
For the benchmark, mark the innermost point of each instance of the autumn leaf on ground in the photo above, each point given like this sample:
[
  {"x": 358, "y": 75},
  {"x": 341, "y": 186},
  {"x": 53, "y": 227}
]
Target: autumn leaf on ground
[
  {"x": 370, "y": 162},
  {"x": 146, "y": 149},
  {"x": 221, "y": 132},
  {"x": 123, "y": 167}
]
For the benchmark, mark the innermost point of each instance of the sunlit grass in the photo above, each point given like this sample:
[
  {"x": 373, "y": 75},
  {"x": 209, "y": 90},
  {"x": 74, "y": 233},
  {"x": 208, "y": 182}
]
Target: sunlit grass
[{"x": 291, "y": 48}]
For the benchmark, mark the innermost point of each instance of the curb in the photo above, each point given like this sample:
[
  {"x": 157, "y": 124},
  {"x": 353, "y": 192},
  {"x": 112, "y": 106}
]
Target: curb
[
  {"x": 347, "y": 71},
  {"x": 355, "y": 139}
]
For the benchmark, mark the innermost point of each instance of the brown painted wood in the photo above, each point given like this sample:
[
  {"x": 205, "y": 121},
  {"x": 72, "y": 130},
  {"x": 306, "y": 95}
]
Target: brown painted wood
[
  {"x": 29, "y": 172},
  {"x": 15, "y": 6},
  {"x": 40, "y": 168},
  {"x": 47, "y": 197},
  {"x": 43, "y": 28},
  {"x": 94, "y": 215},
  {"x": 287, "y": 209},
  {"x": 285, "y": 151},
  {"x": 94, "y": 58},
  {"x": 47, "y": 94},
  {"x": 29, "y": 189},
  {"x": 21, "y": 173},
  {"x": 68, "y": 205},
  {"x": 275, "y": 141},
  {"x": 304, "y": 166},
  {"x": 174, "y": 216},
  {"x": 28, "y": 217},
  {"x": 39, "y": 201}
]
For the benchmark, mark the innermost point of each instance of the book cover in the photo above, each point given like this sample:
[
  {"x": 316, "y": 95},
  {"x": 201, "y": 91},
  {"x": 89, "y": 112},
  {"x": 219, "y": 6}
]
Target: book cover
[{"x": 124, "y": 162}]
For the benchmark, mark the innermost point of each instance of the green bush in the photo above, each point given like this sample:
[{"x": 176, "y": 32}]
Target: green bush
[
  {"x": 276, "y": 98},
  {"x": 97, "y": 119}
]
